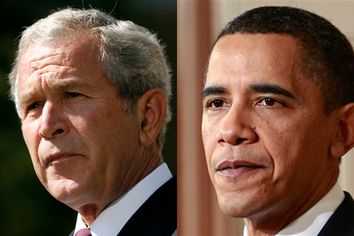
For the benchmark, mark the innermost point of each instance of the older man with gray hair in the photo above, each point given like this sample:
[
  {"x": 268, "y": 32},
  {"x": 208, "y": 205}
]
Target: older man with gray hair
[{"x": 92, "y": 95}]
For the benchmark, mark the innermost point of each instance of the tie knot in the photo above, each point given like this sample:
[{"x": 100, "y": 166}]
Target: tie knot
[{"x": 83, "y": 232}]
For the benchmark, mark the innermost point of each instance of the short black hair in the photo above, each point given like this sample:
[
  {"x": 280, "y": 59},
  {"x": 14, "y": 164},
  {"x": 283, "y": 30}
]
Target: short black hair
[{"x": 326, "y": 54}]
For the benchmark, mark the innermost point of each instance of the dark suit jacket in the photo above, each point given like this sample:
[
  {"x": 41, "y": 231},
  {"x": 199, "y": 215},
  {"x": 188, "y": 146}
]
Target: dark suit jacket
[
  {"x": 341, "y": 223},
  {"x": 157, "y": 216}
]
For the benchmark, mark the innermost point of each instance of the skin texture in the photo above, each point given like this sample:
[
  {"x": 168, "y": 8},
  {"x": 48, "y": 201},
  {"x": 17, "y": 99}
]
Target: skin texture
[
  {"x": 86, "y": 148},
  {"x": 271, "y": 150}
]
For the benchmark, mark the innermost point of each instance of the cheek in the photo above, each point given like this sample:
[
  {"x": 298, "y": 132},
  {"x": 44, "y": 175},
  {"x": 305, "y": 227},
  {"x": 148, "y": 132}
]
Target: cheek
[
  {"x": 104, "y": 132},
  {"x": 209, "y": 138},
  {"x": 90, "y": 124},
  {"x": 31, "y": 138},
  {"x": 292, "y": 145},
  {"x": 283, "y": 143}
]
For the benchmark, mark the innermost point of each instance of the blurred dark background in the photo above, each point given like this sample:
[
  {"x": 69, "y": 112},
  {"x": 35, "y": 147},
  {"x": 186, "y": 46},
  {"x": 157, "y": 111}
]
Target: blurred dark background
[{"x": 25, "y": 206}]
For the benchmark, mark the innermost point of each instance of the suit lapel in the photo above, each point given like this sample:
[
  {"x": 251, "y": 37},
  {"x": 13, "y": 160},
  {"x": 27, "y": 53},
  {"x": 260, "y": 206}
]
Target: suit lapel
[
  {"x": 158, "y": 215},
  {"x": 342, "y": 221}
]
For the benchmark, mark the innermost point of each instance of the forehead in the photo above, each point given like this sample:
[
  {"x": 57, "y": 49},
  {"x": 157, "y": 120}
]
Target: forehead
[
  {"x": 80, "y": 48},
  {"x": 254, "y": 54},
  {"x": 77, "y": 55},
  {"x": 270, "y": 45},
  {"x": 240, "y": 61},
  {"x": 60, "y": 65},
  {"x": 256, "y": 57}
]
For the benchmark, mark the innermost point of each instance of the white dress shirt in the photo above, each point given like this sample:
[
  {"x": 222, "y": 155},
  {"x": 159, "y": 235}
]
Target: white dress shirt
[
  {"x": 112, "y": 219},
  {"x": 315, "y": 218}
]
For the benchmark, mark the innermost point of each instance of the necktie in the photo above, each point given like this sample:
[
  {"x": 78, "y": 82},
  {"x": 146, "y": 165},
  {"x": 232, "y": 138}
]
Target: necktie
[{"x": 83, "y": 232}]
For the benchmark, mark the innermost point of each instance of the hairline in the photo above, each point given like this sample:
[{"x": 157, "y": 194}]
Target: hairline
[
  {"x": 302, "y": 49},
  {"x": 98, "y": 29}
]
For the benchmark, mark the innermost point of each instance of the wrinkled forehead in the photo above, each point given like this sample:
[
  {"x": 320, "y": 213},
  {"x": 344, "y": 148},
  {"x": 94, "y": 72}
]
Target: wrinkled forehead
[
  {"x": 56, "y": 60},
  {"x": 73, "y": 48},
  {"x": 70, "y": 49},
  {"x": 39, "y": 56}
]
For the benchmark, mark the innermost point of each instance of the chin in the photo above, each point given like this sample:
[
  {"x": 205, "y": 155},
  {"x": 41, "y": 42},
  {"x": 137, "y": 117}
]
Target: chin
[
  {"x": 64, "y": 190},
  {"x": 232, "y": 209},
  {"x": 235, "y": 204}
]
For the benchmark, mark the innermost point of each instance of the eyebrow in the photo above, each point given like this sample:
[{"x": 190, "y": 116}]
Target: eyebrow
[
  {"x": 213, "y": 90},
  {"x": 69, "y": 83},
  {"x": 273, "y": 89},
  {"x": 59, "y": 86},
  {"x": 259, "y": 88}
]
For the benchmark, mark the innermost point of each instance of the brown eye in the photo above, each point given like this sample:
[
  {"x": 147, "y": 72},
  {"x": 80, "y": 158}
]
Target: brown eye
[
  {"x": 216, "y": 103},
  {"x": 33, "y": 106},
  {"x": 268, "y": 102}
]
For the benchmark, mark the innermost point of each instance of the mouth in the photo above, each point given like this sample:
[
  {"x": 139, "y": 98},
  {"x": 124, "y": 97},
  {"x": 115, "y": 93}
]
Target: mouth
[
  {"x": 234, "y": 169},
  {"x": 58, "y": 157}
]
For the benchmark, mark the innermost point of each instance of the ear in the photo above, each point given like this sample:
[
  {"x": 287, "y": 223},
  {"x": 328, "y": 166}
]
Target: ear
[
  {"x": 343, "y": 139},
  {"x": 151, "y": 109}
]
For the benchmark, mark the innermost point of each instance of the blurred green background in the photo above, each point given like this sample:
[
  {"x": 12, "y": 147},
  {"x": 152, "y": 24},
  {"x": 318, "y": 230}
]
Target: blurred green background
[{"x": 25, "y": 206}]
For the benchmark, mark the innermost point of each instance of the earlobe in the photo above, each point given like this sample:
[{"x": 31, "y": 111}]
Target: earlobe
[
  {"x": 343, "y": 139},
  {"x": 152, "y": 109}
]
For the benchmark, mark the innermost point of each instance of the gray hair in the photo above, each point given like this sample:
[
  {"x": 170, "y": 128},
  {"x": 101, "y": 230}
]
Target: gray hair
[{"x": 132, "y": 57}]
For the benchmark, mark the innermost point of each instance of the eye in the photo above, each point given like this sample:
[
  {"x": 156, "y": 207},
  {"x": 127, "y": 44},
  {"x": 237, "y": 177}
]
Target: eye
[
  {"x": 71, "y": 94},
  {"x": 269, "y": 102},
  {"x": 215, "y": 103},
  {"x": 33, "y": 106}
]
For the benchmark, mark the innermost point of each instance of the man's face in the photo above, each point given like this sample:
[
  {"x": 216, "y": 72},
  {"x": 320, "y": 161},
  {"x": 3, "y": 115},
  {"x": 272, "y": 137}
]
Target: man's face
[
  {"x": 265, "y": 134},
  {"x": 81, "y": 140}
]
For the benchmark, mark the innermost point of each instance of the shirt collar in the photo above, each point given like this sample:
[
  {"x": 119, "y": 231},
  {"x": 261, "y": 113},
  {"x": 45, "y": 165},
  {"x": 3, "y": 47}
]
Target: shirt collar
[
  {"x": 315, "y": 218},
  {"x": 116, "y": 215}
]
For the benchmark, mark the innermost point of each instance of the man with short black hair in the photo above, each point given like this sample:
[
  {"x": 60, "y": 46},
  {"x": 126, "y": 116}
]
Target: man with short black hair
[{"x": 278, "y": 115}]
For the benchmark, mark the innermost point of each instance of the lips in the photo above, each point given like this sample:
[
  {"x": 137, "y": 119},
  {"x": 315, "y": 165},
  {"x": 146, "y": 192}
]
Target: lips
[
  {"x": 234, "y": 169},
  {"x": 60, "y": 156}
]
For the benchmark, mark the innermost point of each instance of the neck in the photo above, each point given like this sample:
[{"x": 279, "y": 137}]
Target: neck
[
  {"x": 150, "y": 160},
  {"x": 89, "y": 213},
  {"x": 272, "y": 221}
]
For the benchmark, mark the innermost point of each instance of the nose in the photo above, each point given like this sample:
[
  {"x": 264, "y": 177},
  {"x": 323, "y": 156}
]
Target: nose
[
  {"x": 236, "y": 127},
  {"x": 52, "y": 124}
]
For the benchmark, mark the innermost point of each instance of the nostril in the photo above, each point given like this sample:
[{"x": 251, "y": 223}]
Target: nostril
[
  {"x": 58, "y": 131},
  {"x": 240, "y": 140}
]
